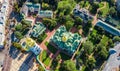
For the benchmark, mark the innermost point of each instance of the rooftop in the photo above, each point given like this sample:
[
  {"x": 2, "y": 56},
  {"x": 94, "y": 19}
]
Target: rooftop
[
  {"x": 66, "y": 41},
  {"x": 29, "y": 5},
  {"x": 83, "y": 13},
  {"x": 46, "y": 13},
  {"x": 29, "y": 44},
  {"x": 108, "y": 28},
  {"x": 38, "y": 29}
]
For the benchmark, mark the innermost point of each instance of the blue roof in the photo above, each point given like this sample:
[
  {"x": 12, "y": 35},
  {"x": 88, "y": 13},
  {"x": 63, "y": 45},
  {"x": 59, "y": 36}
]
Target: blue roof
[
  {"x": 108, "y": 28},
  {"x": 36, "y": 49}
]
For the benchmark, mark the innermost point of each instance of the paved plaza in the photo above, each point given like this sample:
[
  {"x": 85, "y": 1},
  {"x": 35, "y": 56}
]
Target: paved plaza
[{"x": 24, "y": 62}]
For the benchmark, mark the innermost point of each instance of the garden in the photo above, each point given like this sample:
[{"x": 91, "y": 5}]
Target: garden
[{"x": 45, "y": 58}]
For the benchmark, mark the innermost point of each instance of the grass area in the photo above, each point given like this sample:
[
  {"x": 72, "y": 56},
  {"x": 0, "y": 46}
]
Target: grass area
[
  {"x": 101, "y": 4},
  {"x": 51, "y": 48},
  {"x": 104, "y": 40},
  {"x": 64, "y": 56},
  {"x": 45, "y": 58},
  {"x": 105, "y": 10}
]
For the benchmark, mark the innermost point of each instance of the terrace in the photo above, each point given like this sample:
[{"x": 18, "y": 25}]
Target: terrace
[
  {"x": 38, "y": 29},
  {"x": 66, "y": 41},
  {"x": 30, "y": 45},
  {"x": 108, "y": 28}
]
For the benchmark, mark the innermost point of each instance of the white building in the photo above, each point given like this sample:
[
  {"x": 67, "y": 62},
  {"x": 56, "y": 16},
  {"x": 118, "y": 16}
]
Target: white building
[
  {"x": 3, "y": 18},
  {"x": 29, "y": 7},
  {"x": 45, "y": 14},
  {"x": 2, "y": 36}
]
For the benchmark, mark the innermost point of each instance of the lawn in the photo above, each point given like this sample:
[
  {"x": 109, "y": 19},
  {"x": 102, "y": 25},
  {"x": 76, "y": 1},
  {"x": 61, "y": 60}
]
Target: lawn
[
  {"x": 104, "y": 40},
  {"x": 105, "y": 10},
  {"x": 45, "y": 58},
  {"x": 50, "y": 47},
  {"x": 101, "y": 4}
]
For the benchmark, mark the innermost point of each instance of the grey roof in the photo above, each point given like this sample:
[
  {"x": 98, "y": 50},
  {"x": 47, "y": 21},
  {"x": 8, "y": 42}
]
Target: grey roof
[
  {"x": 113, "y": 61},
  {"x": 83, "y": 14}
]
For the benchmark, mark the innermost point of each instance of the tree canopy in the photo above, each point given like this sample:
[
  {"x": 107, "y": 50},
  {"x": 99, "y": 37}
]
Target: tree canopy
[
  {"x": 116, "y": 38},
  {"x": 88, "y": 47},
  {"x": 68, "y": 66}
]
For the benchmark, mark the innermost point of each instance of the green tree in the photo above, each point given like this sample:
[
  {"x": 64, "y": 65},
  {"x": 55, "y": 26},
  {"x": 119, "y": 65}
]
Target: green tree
[
  {"x": 112, "y": 2},
  {"x": 87, "y": 27},
  {"x": 67, "y": 9},
  {"x": 26, "y": 23},
  {"x": 93, "y": 8},
  {"x": 16, "y": 8},
  {"x": 103, "y": 54},
  {"x": 116, "y": 38},
  {"x": 45, "y": 6},
  {"x": 68, "y": 65},
  {"x": 112, "y": 11},
  {"x": 50, "y": 23},
  {"x": 58, "y": 57},
  {"x": 18, "y": 27},
  {"x": 110, "y": 43},
  {"x": 69, "y": 25},
  {"x": 91, "y": 62},
  {"x": 78, "y": 20},
  {"x": 62, "y": 19},
  {"x": 79, "y": 27},
  {"x": 18, "y": 35},
  {"x": 17, "y": 45},
  {"x": 40, "y": 68},
  {"x": 88, "y": 47}
]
